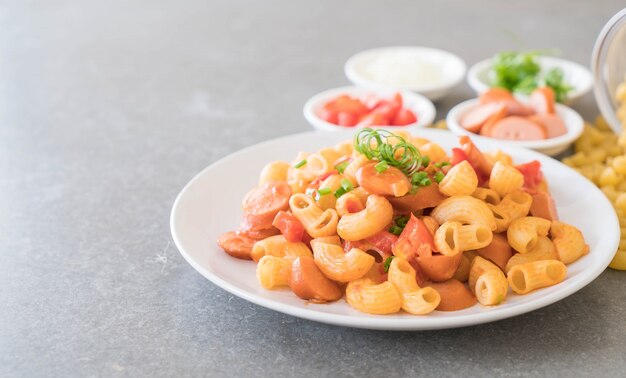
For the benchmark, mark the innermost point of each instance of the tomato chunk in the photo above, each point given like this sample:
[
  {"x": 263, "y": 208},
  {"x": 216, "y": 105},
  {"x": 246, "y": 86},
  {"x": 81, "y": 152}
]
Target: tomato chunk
[
  {"x": 291, "y": 228},
  {"x": 414, "y": 240},
  {"x": 404, "y": 117},
  {"x": 532, "y": 173}
]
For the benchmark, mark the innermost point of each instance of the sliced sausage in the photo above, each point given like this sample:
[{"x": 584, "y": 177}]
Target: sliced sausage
[
  {"x": 498, "y": 251},
  {"x": 488, "y": 125},
  {"x": 495, "y": 95},
  {"x": 391, "y": 182},
  {"x": 438, "y": 267},
  {"x": 475, "y": 119},
  {"x": 504, "y": 97},
  {"x": 552, "y": 123},
  {"x": 516, "y": 108},
  {"x": 236, "y": 244},
  {"x": 517, "y": 128},
  {"x": 543, "y": 206},
  {"x": 309, "y": 283},
  {"x": 454, "y": 295},
  {"x": 425, "y": 197},
  {"x": 262, "y": 203},
  {"x": 262, "y": 234},
  {"x": 542, "y": 100}
]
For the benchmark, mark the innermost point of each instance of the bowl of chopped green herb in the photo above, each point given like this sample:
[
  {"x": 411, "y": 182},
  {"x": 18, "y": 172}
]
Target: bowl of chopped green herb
[{"x": 523, "y": 72}]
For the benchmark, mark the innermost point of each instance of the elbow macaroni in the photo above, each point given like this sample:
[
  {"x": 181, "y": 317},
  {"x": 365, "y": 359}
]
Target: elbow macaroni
[
  {"x": 377, "y": 214},
  {"x": 461, "y": 180},
  {"x": 415, "y": 300},
  {"x": 525, "y": 278},
  {"x": 340, "y": 266},
  {"x": 504, "y": 179}
]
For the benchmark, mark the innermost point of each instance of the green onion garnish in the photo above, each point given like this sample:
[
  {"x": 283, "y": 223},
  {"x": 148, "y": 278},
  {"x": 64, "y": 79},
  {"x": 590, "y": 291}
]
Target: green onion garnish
[
  {"x": 402, "y": 221},
  {"x": 346, "y": 184},
  {"x": 383, "y": 145},
  {"x": 414, "y": 189},
  {"x": 439, "y": 176},
  {"x": 324, "y": 191},
  {"x": 442, "y": 164},
  {"x": 340, "y": 192},
  {"x": 425, "y": 182},
  {"x": 418, "y": 177},
  {"x": 388, "y": 263},
  {"x": 425, "y": 161},
  {"x": 396, "y": 230},
  {"x": 381, "y": 167},
  {"x": 300, "y": 163},
  {"x": 341, "y": 167}
]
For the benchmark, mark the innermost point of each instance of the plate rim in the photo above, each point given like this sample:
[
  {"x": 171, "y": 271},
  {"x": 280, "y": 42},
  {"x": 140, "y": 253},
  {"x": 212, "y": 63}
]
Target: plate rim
[{"x": 382, "y": 322}]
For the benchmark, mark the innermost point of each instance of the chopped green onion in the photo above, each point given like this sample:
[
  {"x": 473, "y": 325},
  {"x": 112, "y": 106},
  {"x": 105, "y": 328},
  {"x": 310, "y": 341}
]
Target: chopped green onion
[
  {"x": 346, "y": 185},
  {"x": 341, "y": 167},
  {"x": 396, "y": 230},
  {"x": 414, "y": 189},
  {"x": 324, "y": 191},
  {"x": 381, "y": 167},
  {"x": 388, "y": 263},
  {"x": 402, "y": 221},
  {"x": 425, "y": 182},
  {"x": 300, "y": 163},
  {"x": 442, "y": 164},
  {"x": 418, "y": 176},
  {"x": 439, "y": 176},
  {"x": 340, "y": 192},
  {"x": 383, "y": 145},
  {"x": 425, "y": 161}
]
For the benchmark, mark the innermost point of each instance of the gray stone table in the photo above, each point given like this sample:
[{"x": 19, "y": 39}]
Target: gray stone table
[{"x": 107, "y": 108}]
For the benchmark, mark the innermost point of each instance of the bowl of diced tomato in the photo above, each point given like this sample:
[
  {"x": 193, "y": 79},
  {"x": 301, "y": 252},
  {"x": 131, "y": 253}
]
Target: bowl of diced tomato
[
  {"x": 536, "y": 122},
  {"x": 354, "y": 107}
]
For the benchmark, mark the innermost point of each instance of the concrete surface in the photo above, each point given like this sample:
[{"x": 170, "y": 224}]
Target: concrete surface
[{"x": 107, "y": 108}]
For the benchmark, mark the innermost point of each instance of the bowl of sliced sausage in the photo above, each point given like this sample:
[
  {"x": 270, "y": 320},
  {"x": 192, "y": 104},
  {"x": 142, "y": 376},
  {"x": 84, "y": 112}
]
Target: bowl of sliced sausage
[{"x": 536, "y": 122}]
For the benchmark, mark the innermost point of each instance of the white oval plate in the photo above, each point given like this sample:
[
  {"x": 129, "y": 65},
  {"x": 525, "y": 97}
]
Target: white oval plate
[{"x": 210, "y": 204}]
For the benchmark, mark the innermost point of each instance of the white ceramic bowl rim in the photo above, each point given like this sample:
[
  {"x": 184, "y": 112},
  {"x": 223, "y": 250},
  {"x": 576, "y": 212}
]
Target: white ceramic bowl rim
[
  {"x": 573, "y": 129},
  {"x": 447, "y": 81}
]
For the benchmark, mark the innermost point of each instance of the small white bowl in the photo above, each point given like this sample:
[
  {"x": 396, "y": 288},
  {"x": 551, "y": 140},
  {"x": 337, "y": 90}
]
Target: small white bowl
[
  {"x": 451, "y": 69},
  {"x": 574, "y": 74},
  {"x": 423, "y": 109},
  {"x": 553, "y": 146}
]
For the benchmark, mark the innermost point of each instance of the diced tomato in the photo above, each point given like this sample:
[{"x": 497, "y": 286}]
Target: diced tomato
[
  {"x": 532, "y": 173},
  {"x": 291, "y": 228},
  {"x": 319, "y": 179},
  {"x": 373, "y": 119},
  {"x": 388, "y": 109},
  {"x": 329, "y": 115},
  {"x": 347, "y": 119},
  {"x": 383, "y": 241},
  {"x": 404, "y": 117},
  {"x": 476, "y": 158},
  {"x": 458, "y": 155},
  {"x": 414, "y": 240},
  {"x": 347, "y": 104},
  {"x": 397, "y": 100}
]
